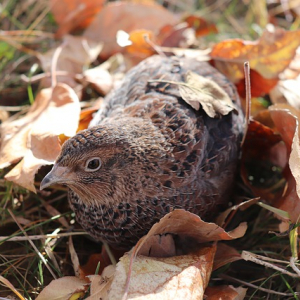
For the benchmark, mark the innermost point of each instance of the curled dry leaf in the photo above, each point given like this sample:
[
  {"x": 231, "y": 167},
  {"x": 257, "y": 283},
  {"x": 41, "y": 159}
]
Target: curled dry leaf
[
  {"x": 275, "y": 170},
  {"x": 178, "y": 277},
  {"x": 166, "y": 275},
  {"x": 35, "y": 136},
  {"x": 63, "y": 289},
  {"x": 286, "y": 120},
  {"x": 261, "y": 170},
  {"x": 186, "y": 227},
  {"x": 200, "y": 90},
  {"x": 220, "y": 220}
]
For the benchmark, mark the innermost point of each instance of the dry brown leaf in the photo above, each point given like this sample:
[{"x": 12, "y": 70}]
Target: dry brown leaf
[
  {"x": 63, "y": 289},
  {"x": 225, "y": 293},
  {"x": 100, "y": 285},
  {"x": 286, "y": 120},
  {"x": 34, "y": 137},
  {"x": 186, "y": 227},
  {"x": 179, "y": 277},
  {"x": 200, "y": 90},
  {"x": 77, "y": 52},
  {"x": 225, "y": 255},
  {"x": 269, "y": 55},
  {"x": 255, "y": 163},
  {"x": 126, "y": 16},
  {"x": 74, "y": 14}
]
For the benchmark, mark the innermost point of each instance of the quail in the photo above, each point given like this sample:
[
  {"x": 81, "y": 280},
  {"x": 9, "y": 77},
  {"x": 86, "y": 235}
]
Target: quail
[{"x": 150, "y": 153}]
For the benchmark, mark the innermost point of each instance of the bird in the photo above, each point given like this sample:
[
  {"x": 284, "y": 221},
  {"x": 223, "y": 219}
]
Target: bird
[{"x": 149, "y": 152}]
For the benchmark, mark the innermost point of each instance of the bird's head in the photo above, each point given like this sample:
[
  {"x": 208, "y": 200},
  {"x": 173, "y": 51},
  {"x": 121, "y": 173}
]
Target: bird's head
[{"x": 103, "y": 164}]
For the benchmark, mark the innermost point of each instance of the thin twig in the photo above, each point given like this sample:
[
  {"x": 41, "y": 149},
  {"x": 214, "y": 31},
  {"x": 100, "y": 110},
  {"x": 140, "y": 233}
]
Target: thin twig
[
  {"x": 226, "y": 277},
  {"x": 248, "y": 99},
  {"x": 54, "y": 63},
  {"x": 293, "y": 265},
  {"x": 40, "y": 237},
  {"x": 32, "y": 244},
  {"x": 251, "y": 257}
]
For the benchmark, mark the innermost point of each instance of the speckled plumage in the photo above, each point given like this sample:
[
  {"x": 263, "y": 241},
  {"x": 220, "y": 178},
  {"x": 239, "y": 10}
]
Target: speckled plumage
[{"x": 157, "y": 154}]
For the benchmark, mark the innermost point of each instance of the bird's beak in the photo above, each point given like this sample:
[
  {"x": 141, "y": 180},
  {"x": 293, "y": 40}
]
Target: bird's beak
[{"x": 58, "y": 175}]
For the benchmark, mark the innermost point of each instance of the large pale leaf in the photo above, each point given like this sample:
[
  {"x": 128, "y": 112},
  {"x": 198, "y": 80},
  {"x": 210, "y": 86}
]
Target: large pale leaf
[{"x": 35, "y": 136}]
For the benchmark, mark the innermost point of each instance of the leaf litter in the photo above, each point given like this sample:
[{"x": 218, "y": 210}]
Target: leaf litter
[{"x": 269, "y": 56}]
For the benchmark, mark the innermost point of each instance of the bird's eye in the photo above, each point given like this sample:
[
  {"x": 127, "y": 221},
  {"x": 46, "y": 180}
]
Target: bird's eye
[{"x": 93, "y": 164}]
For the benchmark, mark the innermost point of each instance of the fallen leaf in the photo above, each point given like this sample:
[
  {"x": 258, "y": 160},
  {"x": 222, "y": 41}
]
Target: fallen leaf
[
  {"x": 225, "y": 255},
  {"x": 220, "y": 220},
  {"x": 269, "y": 55},
  {"x": 286, "y": 120},
  {"x": 263, "y": 161},
  {"x": 189, "y": 230},
  {"x": 100, "y": 285},
  {"x": 200, "y": 25},
  {"x": 7, "y": 283},
  {"x": 180, "y": 35},
  {"x": 63, "y": 289},
  {"x": 260, "y": 86},
  {"x": 225, "y": 292},
  {"x": 126, "y": 16},
  {"x": 35, "y": 136},
  {"x": 139, "y": 43},
  {"x": 86, "y": 116},
  {"x": 200, "y": 90},
  {"x": 77, "y": 53},
  {"x": 179, "y": 277},
  {"x": 74, "y": 14}
]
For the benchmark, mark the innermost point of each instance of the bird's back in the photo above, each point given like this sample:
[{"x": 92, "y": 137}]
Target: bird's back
[{"x": 196, "y": 167}]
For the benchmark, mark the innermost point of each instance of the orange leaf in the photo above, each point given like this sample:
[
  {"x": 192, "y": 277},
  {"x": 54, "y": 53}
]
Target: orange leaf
[
  {"x": 74, "y": 14},
  {"x": 269, "y": 55},
  {"x": 126, "y": 16},
  {"x": 200, "y": 25},
  {"x": 140, "y": 47},
  {"x": 260, "y": 86}
]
